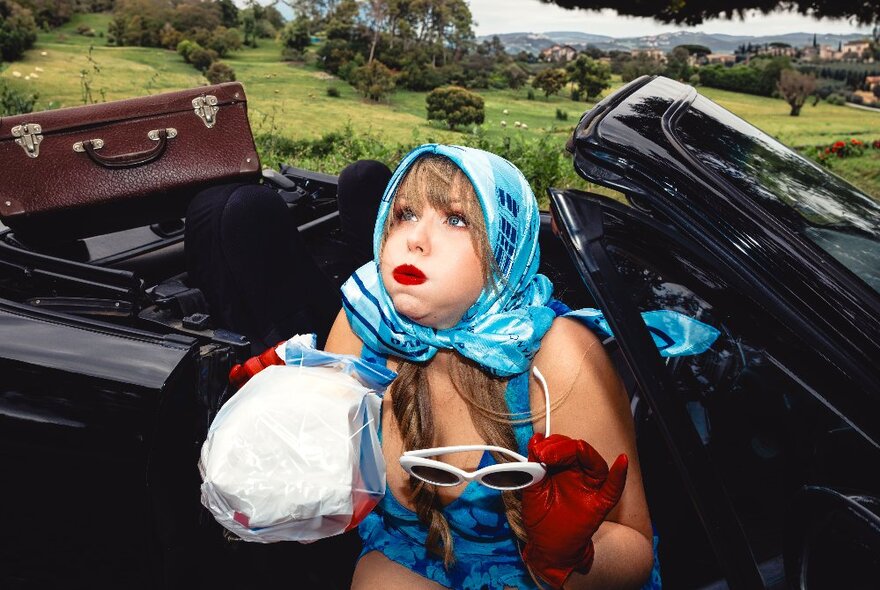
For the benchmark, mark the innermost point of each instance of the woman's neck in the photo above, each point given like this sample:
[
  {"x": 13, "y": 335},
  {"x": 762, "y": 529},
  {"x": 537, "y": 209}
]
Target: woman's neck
[{"x": 441, "y": 363}]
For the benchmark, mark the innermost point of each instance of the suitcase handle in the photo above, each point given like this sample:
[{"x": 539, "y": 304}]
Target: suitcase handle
[{"x": 135, "y": 158}]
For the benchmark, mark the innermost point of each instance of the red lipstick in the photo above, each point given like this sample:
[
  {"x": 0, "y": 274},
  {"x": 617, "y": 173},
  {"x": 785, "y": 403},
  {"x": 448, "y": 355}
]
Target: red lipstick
[{"x": 407, "y": 274}]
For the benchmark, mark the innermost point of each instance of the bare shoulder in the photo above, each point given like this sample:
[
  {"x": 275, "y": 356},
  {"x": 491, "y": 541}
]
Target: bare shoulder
[
  {"x": 585, "y": 390},
  {"x": 565, "y": 347},
  {"x": 342, "y": 338}
]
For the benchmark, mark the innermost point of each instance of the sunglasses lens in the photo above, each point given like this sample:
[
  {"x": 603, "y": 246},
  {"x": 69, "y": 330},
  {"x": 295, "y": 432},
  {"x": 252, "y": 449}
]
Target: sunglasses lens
[
  {"x": 507, "y": 479},
  {"x": 434, "y": 475}
]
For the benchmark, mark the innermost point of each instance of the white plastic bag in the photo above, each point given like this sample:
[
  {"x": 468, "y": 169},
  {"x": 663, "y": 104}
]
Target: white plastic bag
[{"x": 294, "y": 455}]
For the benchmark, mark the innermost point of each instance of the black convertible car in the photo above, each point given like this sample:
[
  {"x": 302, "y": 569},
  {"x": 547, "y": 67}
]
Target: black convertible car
[{"x": 761, "y": 457}]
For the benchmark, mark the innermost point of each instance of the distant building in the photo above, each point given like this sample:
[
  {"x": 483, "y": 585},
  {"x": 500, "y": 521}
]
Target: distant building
[
  {"x": 855, "y": 49},
  {"x": 821, "y": 53},
  {"x": 777, "y": 50},
  {"x": 651, "y": 52},
  {"x": 721, "y": 58},
  {"x": 558, "y": 53}
]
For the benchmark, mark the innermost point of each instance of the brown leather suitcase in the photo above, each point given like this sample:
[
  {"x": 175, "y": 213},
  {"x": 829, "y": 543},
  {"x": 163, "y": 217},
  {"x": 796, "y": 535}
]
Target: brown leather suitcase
[{"x": 93, "y": 169}]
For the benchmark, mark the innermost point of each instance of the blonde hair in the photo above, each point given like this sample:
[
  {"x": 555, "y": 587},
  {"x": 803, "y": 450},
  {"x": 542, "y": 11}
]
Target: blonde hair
[{"x": 436, "y": 181}]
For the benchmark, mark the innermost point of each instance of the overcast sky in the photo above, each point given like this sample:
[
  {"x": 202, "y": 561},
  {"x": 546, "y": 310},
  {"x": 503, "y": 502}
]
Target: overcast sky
[{"x": 512, "y": 16}]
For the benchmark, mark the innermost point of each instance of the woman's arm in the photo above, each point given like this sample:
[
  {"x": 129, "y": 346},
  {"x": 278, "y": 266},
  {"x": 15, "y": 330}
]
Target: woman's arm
[{"x": 597, "y": 410}]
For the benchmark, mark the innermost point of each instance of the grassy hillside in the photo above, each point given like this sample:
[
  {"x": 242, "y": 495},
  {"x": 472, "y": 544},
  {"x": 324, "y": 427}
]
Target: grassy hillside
[{"x": 291, "y": 101}]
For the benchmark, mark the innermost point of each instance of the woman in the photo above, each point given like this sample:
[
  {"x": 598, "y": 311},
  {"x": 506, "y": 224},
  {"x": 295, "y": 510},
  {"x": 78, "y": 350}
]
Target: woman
[{"x": 454, "y": 304}]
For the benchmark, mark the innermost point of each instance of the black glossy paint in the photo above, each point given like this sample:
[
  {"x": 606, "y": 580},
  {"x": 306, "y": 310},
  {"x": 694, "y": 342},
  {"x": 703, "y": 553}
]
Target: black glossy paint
[{"x": 834, "y": 312}]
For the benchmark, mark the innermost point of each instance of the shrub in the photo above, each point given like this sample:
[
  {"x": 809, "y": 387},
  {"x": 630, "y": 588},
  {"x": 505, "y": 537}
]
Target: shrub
[
  {"x": 530, "y": 94},
  {"x": 220, "y": 72},
  {"x": 374, "y": 80},
  {"x": 185, "y": 47},
  {"x": 515, "y": 76},
  {"x": 14, "y": 101},
  {"x": 333, "y": 92},
  {"x": 202, "y": 59},
  {"x": 455, "y": 106},
  {"x": 169, "y": 37},
  {"x": 841, "y": 149},
  {"x": 85, "y": 31},
  {"x": 542, "y": 159},
  {"x": 575, "y": 95},
  {"x": 18, "y": 30},
  {"x": 223, "y": 40},
  {"x": 835, "y": 99},
  {"x": 420, "y": 76},
  {"x": 561, "y": 115},
  {"x": 292, "y": 54},
  {"x": 334, "y": 53}
]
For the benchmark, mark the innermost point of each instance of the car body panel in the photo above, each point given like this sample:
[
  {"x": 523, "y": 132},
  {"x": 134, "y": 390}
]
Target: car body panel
[{"x": 800, "y": 283}]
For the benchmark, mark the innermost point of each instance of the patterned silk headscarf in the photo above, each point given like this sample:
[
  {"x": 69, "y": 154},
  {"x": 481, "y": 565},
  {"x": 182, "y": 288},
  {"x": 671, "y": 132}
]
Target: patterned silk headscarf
[{"x": 502, "y": 330}]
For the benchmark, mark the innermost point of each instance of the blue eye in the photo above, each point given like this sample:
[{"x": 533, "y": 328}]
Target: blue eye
[
  {"x": 407, "y": 214},
  {"x": 456, "y": 220}
]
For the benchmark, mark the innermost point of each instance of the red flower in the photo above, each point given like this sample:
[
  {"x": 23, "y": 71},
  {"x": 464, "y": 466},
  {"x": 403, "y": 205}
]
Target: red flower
[
  {"x": 827, "y": 150},
  {"x": 839, "y": 144}
]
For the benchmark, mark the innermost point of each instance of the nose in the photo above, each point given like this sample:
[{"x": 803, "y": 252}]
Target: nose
[{"x": 418, "y": 239}]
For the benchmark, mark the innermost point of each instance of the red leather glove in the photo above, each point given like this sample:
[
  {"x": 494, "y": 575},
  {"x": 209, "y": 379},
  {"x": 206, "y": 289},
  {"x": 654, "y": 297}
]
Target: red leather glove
[
  {"x": 241, "y": 373},
  {"x": 564, "y": 509}
]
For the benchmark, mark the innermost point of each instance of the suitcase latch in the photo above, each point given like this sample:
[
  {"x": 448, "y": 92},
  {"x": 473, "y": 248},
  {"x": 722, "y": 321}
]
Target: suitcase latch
[
  {"x": 28, "y": 136},
  {"x": 206, "y": 109}
]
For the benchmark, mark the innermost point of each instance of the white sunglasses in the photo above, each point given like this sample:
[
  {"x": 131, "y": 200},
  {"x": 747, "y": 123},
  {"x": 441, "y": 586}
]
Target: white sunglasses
[{"x": 518, "y": 474}]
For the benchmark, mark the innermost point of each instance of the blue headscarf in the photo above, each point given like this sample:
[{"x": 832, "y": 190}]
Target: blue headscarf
[{"x": 502, "y": 330}]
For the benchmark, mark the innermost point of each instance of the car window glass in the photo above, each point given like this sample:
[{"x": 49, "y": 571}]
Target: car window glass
[
  {"x": 824, "y": 208},
  {"x": 752, "y": 398}
]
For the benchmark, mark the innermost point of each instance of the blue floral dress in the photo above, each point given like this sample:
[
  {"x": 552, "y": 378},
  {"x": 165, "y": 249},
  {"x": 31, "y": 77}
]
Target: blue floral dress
[{"x": 487, "y": 555}]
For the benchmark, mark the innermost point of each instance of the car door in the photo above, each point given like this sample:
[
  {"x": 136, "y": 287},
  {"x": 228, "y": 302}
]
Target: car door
[
  {"x": 99, "y": 427},
  {"x": 732, "y": 440}
]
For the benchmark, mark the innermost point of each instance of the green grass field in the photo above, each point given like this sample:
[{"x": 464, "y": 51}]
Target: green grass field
[{"x": 291, "y": 99}]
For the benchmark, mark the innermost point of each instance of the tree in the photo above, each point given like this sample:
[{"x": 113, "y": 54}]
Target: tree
[
  {"x": 694, "y": 13},
  {"x": 295, "y": 34},
  {"x": 374, "y": 80},
  {"x": 377, "y": 12},
  {"x": 693, "y": 49},
  {"x": 677, "y": 66},
  {"x": 50, "y": 13},
  {"x": 641, "y": 65},
  {"x": 795, "y": 88},
  {"x": 591, "y": 76},
  {"x": 228, "y": 13},
  {"x": 516, "y": 77},
  {"x": 18, "y": 30},
  {"x": 550, "y": 81},
  {"x": 456, "y": 106}
]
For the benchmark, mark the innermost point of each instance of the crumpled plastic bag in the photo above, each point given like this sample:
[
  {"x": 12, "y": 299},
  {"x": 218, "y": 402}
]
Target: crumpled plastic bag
[{"x": 294, "y": 455}]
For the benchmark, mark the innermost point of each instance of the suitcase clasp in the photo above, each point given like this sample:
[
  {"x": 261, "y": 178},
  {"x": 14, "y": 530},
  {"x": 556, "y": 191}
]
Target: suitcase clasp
[
  {"x": 28, "y": 136},
  {"x": 206, "y": 109}
]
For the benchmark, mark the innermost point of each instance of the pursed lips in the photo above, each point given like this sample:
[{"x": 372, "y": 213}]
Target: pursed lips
[{"x": 407, "y": 274}]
